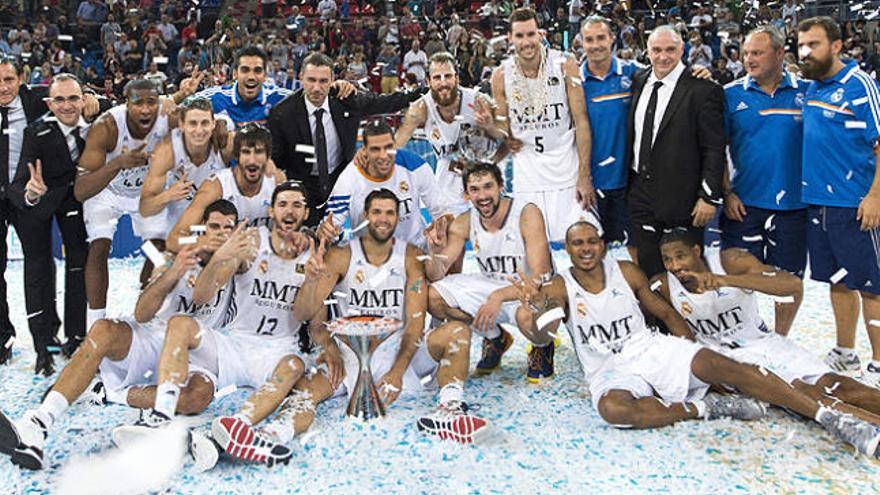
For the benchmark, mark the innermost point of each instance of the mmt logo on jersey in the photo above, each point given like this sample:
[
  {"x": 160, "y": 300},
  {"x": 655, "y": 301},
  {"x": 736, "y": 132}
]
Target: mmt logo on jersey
[
  {"x": 599, "y": 338},
  {"x": 377, "y": 302},
  {"x": 723, "y": 325},
  {"x": 550, "y": 118},
  {"x": 269, "y": 292}
]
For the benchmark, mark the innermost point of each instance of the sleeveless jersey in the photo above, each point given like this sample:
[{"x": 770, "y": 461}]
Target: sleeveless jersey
[
  {"x": 500, "y": 254},
  {"x": 254, "y": 208},
  {"x": 602, "y": 324},
  {"x": 443, "y": 137},
  {"x": 726, "y": 317},
  {"x": 374, "y": 290},
  {"x": 548, "y": 160},
  {"x": 128, "y": 182},
  {"x": 197, "y": 174},
  {"x": 180, "y": 302},
  {"x": 262, "y": 302}
]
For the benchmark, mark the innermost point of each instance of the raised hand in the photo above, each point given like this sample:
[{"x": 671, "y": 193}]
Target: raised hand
[
  {"x": 186, "y": 259},
  {"x": 437, "y": 234},
  {"x": 315, "y": 267},
  {"x": 344, "y": 89},
  {"x": 328, "y": 231},
  {"x": 483, "y": 114},
  {"x": 131, "y": 158},
  {"x": 35, "y": 187},
  {"x": 237, "y": 243},
  {"x": 180, "y": 189},
  {"x": 189, "y": 85},
  {"x": 91, "y": 106}
]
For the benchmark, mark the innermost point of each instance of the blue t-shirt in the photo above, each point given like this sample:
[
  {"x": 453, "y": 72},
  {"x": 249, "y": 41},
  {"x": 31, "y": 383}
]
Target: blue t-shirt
[
  {"x": 608, "y": 102},
  {"x": 765, "y": 135},
  {"x": 226, "y": 101},
  {"x": 841, "y": 126}
]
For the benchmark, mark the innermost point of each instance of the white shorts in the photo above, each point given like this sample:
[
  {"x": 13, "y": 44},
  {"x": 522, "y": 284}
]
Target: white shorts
[
  {"x": 421, "y": 366},
  {"x": 560, "y": 209},
  {"x": 138, "y": 367},
  {"x": 451, "y": 185},
  {"x": 102, "y": 211},
  {"x": 781, "y": 356},
  {"x": 657, "y": 365},
  {"x": 242, "y": 360},
  {"x": 469, "y": 291}
]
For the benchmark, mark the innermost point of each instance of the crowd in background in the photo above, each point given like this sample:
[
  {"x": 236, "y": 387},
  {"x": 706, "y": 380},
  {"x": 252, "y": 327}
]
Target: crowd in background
[{"x": 382, "y": 45}]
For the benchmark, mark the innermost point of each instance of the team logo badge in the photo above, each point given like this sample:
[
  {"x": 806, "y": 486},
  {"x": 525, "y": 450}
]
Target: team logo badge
[
  {"x": 435, "y": 134},
  {"x": 476, "y": 245},
  {"x": 582, "y": 309},
  {"x": 300, "y": 268},
  {"x": 799, "y": 100},
  {"x": 616, "y": 293},
  {"x": 625, "y": 82},
  {"x": 264, "y": 266},
  {"x": 403, "y": 186},
  {"x": 686, "y": 308},
  {"x": 553, "y": 81},
  {"x": 191, "y": 281},
  {"x": 360, "y": 277},
  {"x": 837, "y": 96}
]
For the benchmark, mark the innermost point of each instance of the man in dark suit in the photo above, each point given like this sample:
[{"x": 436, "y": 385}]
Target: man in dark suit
[
  {"x": 676, "y": 145},
  {"x": 312, "y": 117},
  {"x": 43, "y": 188}
]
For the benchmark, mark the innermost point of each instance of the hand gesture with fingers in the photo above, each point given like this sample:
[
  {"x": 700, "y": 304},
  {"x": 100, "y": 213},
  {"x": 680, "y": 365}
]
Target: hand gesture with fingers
[
  {"x": 704, "y": 281},
  {"x": 328, "y": 231},
  {"x": 734, "y": 208},
  {"x": 131, "y": 158},
  {"x": 189, "y": 85},
  {"x": 179, "y": 190},
  {"x": 529, "y": 290},
  {"x": 236, "y": 244},
  {"x": 186, "y": 259},
  {"x": 35, "y": 187},
  {"x": 315, "y": 267},
  {"x": 437, "y": 234},
  {"x": 483, "y": 114}
]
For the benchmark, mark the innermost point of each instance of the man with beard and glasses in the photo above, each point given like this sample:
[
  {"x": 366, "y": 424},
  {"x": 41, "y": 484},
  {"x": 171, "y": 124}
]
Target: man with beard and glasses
[
  {"x": 248, "y": 186},
  {"x": 508, "y": 236},
  {"x": 841, "y": 187},
  {"x": 446, "y": 111}
]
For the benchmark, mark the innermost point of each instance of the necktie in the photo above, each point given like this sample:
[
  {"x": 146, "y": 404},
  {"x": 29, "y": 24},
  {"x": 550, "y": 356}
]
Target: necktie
[
  {"x": 80, "y": 143},
  {"x": 321, "y": 151},
  {"x": 4, "y": 148},
  {"x": 648, "y": 129}
]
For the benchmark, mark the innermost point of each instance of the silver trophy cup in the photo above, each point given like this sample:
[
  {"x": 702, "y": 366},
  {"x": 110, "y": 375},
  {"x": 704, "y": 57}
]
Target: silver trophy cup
[{"x": 363, "y": 335}]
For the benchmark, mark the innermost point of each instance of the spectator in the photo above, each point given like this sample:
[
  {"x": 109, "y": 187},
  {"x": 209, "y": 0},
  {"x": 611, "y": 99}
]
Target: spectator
[
  {"x": 327, "y": 9},
  {"x": 790, "y": 11},
  {"x": 158, "y": 77},
  {"x": 110, "y": 31},
  {"x": 720, "y": 71},
  {"x": 699, "y": 53},
  {"x": 268, "y": 8},
  {"x": 92, "y": 11},
  {"x": 388, "y": 60},
  {"x": 415, "y": 61},
  {"x": 357, "y": 68}
]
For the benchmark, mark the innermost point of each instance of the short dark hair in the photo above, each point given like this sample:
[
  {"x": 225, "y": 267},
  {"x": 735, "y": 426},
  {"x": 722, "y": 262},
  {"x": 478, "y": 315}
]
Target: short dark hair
[
  {"x": 290, "y": 185},
  {"x": 688, "y": 237},
  {"x": 598, "y": 19},
  {"x": 481, "y": 168},
  {"x": 250, "y": 51},
  {"x": 252, "y": 135},
  {"x": 377, "y": 127},
  {"x": 139, "y": 85},
  {"x": 831, "y": 28},
  {"x": 523, "y": 14},
  {"x": 203, "y": 104},
  {"x": 443, "y": 58},
  {"x": 221, "y": 206},
  {"x": 64, "y": 76},
  {"x": 381, "y": 193},
  {"x": 582, "y": 223},
  {"x": 317, "y": 59}
]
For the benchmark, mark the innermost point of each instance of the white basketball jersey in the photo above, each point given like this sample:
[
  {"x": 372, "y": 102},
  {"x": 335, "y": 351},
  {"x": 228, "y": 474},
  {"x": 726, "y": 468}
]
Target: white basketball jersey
[
  {"x": 254, "y": 208},
  {"x": 197, "y": 174},
  {"x": 548, "y": 160},
  {"x": 726, "y": 317},
  {"x": 602, "y": 324},
  {"x": 180, "y": 302},
  {"x": 262, "y": 302},
  {"x": 128, "y": 182},
  {"x": 374, "y": 290},
  {"x": 500, "y": 254},
  {"x": 443, "y": 137}
]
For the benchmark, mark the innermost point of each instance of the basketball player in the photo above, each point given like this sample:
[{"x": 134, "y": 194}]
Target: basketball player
[
  {"x": 541, "y": 104},
  {"x": 125, "y": 352},
  {"x": 376, "y": 275},
  {"x": 266, "y": 270},
  {"x": 114, "y": 164},
  {"x": 246, "y": 186},
  {"x": 721, "y": 308},
  {"x": 507, "y": 235},
  {"x": 182, "y": 162},
  {"x": 385, "y": 167},
  {"x": 641, "y": 379},
  {"x": 446, "y": 111}
]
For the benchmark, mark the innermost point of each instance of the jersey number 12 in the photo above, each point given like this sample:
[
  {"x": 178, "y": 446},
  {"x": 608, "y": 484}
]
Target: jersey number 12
[{"x": 267, "y": 326}]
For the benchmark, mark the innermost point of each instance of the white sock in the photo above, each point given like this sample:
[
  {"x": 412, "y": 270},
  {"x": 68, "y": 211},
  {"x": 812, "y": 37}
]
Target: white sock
[
  {"x": 167, "y": 395},
  {"x": 93, "y": 315},
  {"x": 845, "y": 351},
  {"x": 117, "y": 396},
  {"x": 244, "y": 418},
  {"x": 282, "y": 430},
  {"x": 701, "y": 408},
  {"x": 451, "y": 392},
  {"x": 821, "y": 412},
  {"x": 492, "y": 333},
  {"x": 52, "y": 407}
]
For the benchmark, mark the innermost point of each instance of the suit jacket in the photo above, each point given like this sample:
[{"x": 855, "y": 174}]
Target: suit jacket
[
  {"x": 688, "y": 158},
  {"x": 34, "y": 107},
  {"x": 45, "y": 141},
  {"x": 289, "y": 124}
]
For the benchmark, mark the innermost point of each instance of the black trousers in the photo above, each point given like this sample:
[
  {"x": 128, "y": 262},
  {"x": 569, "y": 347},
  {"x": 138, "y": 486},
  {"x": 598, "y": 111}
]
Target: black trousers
[
  {"x": 317, "y": 197},
  {"x": 35, "y": 232},
  {"x": 7, "y": 218}
]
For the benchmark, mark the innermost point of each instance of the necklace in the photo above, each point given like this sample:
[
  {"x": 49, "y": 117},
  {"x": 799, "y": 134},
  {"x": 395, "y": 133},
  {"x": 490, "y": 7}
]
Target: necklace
[{"x": 530, "y": 95}]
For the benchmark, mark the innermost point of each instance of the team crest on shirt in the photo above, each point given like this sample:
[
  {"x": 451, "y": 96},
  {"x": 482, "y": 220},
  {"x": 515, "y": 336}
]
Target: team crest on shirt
[
  {"x": 582, "y": 309},
  {"x": 837, "y": 96},
  {"x": 476, "y": 245},
  {"x": 403, "y": 186},
  {"x": 264, "y": 266},
  {"x": 553, "y": 81},
  {"x": 300, "y": 268},
  {"x": 360, "y": 277},
  {"x": 686, "y": 308},
  {"x": 191, "y": 281},
  {"x": 625, "y": 82},
  {"x": 435, "y": 134},
  {"x": 799, "y": 100}
]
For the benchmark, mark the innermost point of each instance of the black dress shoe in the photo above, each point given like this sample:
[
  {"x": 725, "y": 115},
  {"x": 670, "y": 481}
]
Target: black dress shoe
[
  {"x": 54, "y": 346},
  {"x": 71, "y": 346},
  {"x": 45, "y": 364},
  {"x": 6, "y": 349}
]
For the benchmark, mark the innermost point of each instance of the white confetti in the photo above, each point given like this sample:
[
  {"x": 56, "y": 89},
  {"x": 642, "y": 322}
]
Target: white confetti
[
  {"x": 549, "y": 317},
  {"x": 784, "y": 299},
  {"x": 830, "y": 189},
  {"x": 752, "y": 238},
  {"x": 152, "y": 253},
  {"x": 72, "y": 213},
  {"x": 225, "y": 391},
  {"x": 874, "y": 323},
  {"x": 768, "y": 224},
  {"x": 341, "y": 295},
  {"x": 838, "y": 276},
  {"x": 190, "y": 239},
  {"x": 305, "y": 148},
  {"x": 768, "y": 274},
  {"x": 600, "y": 193},
  {"x": 607, "y": 161},
  {"x": 198, "y": 229},
  {"x": 815, "y": 221},
  {"x": 849, "y": 175},
  {"x": 656, "y": 285},
  {"x": 360, "y": 227},
  {"x": 649, "y": 228},
  {"x": 427, "y": 378},
  {"x": 423, "y": 257},
  {"x": 330, "y": 302},
  {"x": 9, "y": 342},
  {"x": 779, "y": 195},
  {"x": 148, "y": 374}
]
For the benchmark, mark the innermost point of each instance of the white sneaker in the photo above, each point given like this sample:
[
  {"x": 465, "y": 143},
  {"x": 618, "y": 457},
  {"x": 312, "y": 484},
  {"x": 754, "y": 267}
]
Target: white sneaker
[
  {"x": 453, "y": 421},
  {"x": 846, "y": 365},
  {"x": 871, "y": 376},
  {"x": 244, "y": 442},
  {"x": 204, "y": 451},
  {"x": 23, "y": 440},
  {"x": 147, "y": 423},
  {"x": 94, "y": 395}
]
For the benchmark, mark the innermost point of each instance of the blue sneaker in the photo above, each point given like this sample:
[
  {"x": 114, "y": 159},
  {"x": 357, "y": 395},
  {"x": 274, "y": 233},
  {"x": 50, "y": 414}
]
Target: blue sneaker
[
  {"x": 541, "y": 362},
  {"x": 493, "y": 349}
]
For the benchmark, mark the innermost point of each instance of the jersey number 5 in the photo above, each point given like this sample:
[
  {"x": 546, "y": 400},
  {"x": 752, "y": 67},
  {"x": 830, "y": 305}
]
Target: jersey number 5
[
  {"x": 539, "y": 146},
  {"x": 267, "y": 326}
]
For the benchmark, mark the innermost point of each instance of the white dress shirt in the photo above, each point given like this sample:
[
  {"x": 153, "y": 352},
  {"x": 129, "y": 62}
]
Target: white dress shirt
[
  {"x": 664, "y": 94},
  {"x": 71, "y": 139},
  {"x": 15, "y": 130},
  {"x": 332, "y": 138}
]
